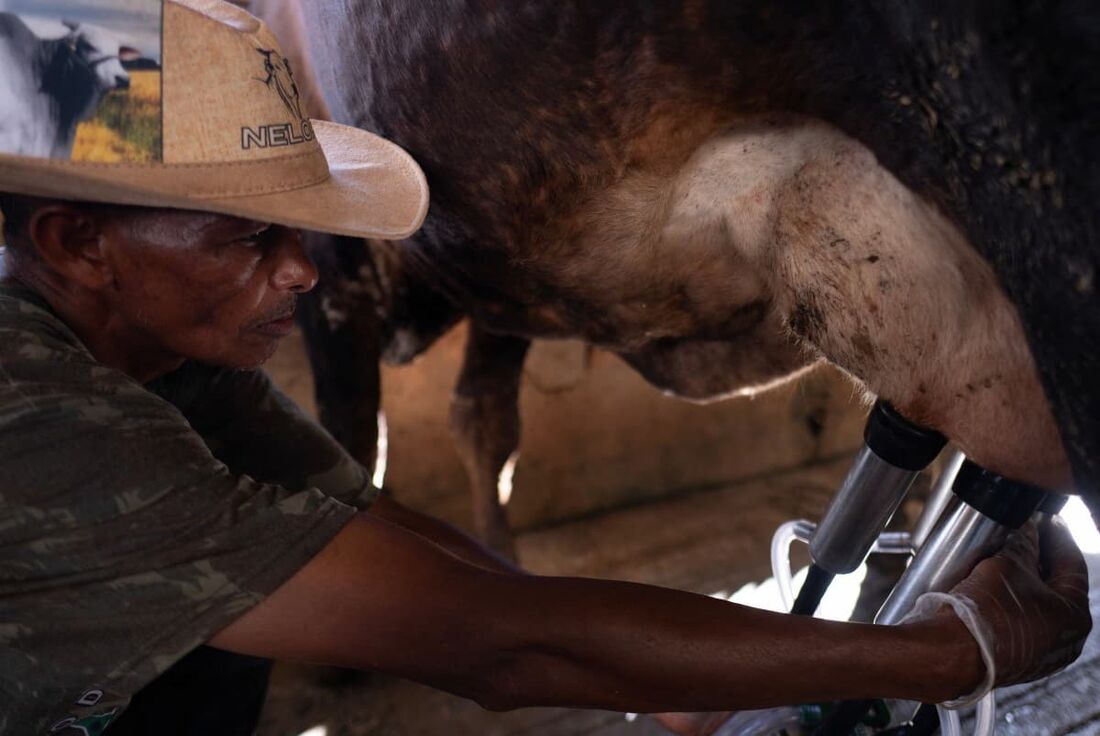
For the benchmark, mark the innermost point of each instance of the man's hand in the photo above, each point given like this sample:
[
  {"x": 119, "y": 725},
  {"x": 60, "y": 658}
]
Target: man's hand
[
  {"x": 1027, "y": 606},
  {"x": 1034, "y": 597},
  {"x": 1029, "y": 602}
]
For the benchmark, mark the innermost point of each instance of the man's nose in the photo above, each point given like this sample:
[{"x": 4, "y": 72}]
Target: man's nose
[{"x": 294, "y": 269}]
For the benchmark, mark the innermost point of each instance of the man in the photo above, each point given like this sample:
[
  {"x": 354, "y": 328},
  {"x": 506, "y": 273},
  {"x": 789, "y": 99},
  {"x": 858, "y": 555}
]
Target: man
[{"x": 158, "y": 494}]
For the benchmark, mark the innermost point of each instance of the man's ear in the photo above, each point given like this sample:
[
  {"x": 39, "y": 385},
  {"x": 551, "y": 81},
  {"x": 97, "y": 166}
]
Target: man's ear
[{"x": 70, "y": 241}]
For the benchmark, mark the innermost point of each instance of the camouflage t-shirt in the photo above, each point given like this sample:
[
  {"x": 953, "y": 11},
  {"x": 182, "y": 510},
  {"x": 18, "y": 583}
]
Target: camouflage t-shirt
[{"x": 138, "y": 521}]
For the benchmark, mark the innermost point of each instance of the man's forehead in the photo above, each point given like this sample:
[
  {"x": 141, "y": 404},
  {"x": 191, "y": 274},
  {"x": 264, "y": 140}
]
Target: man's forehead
[
  {"x": 169, "y": 228},
  {"x": 215, "y": 221},
  {"x": 193, "y": 220}
]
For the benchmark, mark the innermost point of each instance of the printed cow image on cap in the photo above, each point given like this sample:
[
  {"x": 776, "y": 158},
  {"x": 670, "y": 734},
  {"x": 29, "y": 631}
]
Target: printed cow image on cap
[{"x": 81, "y": 80}]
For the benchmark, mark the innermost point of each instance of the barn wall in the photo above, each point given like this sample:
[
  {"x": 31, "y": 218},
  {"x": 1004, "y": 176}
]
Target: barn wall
[{"x": 595, "y": 435}]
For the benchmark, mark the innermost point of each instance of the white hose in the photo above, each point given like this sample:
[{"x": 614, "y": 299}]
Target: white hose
[
  {"x": 760, "y": 722},
  {"x": 949, "y": 722},
  {"x": 781, "y": 562},
  {"x": 985, "y": 715}
]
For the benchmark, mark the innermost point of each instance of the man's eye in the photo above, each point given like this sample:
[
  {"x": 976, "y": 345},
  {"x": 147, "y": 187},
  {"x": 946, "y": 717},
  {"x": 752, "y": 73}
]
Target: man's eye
[{"x": 251, "y": 240}]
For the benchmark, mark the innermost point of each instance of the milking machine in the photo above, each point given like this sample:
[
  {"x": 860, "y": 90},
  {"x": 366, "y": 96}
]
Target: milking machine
[{"x": 968, "y": 516}]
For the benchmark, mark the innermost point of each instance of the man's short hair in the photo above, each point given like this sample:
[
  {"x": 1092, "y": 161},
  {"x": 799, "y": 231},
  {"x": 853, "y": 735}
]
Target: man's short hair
[{"x": 17, "y": 210}]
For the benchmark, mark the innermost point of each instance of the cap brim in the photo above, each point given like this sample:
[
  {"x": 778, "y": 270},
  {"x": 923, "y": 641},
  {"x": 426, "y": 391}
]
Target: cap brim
[{"x": 375, "y": 189}]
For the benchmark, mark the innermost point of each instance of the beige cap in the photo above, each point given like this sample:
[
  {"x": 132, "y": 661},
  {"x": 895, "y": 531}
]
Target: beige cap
[{"x": 233, "y": 139}]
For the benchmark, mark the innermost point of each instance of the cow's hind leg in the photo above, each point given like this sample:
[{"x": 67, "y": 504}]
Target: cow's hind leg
[
  {"x": 485, "y": 424},
  {"x": 344, "y": 339}
]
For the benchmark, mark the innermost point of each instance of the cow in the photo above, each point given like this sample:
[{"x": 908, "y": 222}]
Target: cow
[
  {"x": 51, "y": 84},
  {"x": 723, "y": 192}
]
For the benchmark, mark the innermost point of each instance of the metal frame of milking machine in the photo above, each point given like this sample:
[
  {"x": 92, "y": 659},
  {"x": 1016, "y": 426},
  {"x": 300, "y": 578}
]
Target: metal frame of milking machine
[{"x": 968, "y": 516}]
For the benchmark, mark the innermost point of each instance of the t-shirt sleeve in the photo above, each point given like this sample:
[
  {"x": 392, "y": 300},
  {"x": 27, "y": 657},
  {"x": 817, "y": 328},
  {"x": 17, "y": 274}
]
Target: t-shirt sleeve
[
  {"x": 256, "y": 430},
  {"x": 124, "y": 542}
]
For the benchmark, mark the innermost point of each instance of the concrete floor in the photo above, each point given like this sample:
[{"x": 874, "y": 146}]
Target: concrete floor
[
  {"x": 708, "y": 542},
  {"x": 1067, "y": 703}
]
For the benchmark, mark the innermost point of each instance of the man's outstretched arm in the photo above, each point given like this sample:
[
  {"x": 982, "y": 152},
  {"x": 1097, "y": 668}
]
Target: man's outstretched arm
[{"x": 382, "y": 598}]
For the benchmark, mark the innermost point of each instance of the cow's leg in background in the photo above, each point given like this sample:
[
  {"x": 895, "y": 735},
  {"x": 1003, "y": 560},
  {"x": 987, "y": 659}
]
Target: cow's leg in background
[
  {"x": 344, "y": 337},
  {"x": 486, "y": 426}
]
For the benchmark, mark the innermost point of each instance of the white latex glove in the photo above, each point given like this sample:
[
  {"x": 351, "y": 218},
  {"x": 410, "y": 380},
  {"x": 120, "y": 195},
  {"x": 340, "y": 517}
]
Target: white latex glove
[{"x": 1027, "y": 607}]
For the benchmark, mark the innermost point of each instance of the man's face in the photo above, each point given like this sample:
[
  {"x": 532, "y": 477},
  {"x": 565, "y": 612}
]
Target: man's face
[{"x": 206, "y": 287}]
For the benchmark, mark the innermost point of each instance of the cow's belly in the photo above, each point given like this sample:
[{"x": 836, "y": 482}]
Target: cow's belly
[{"x": 800, "y": 223}]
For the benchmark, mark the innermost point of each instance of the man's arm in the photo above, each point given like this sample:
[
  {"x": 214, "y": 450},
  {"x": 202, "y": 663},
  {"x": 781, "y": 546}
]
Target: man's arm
[
  {"x": 380, "y": 597},
  {"x": 442, "y": 534}
]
